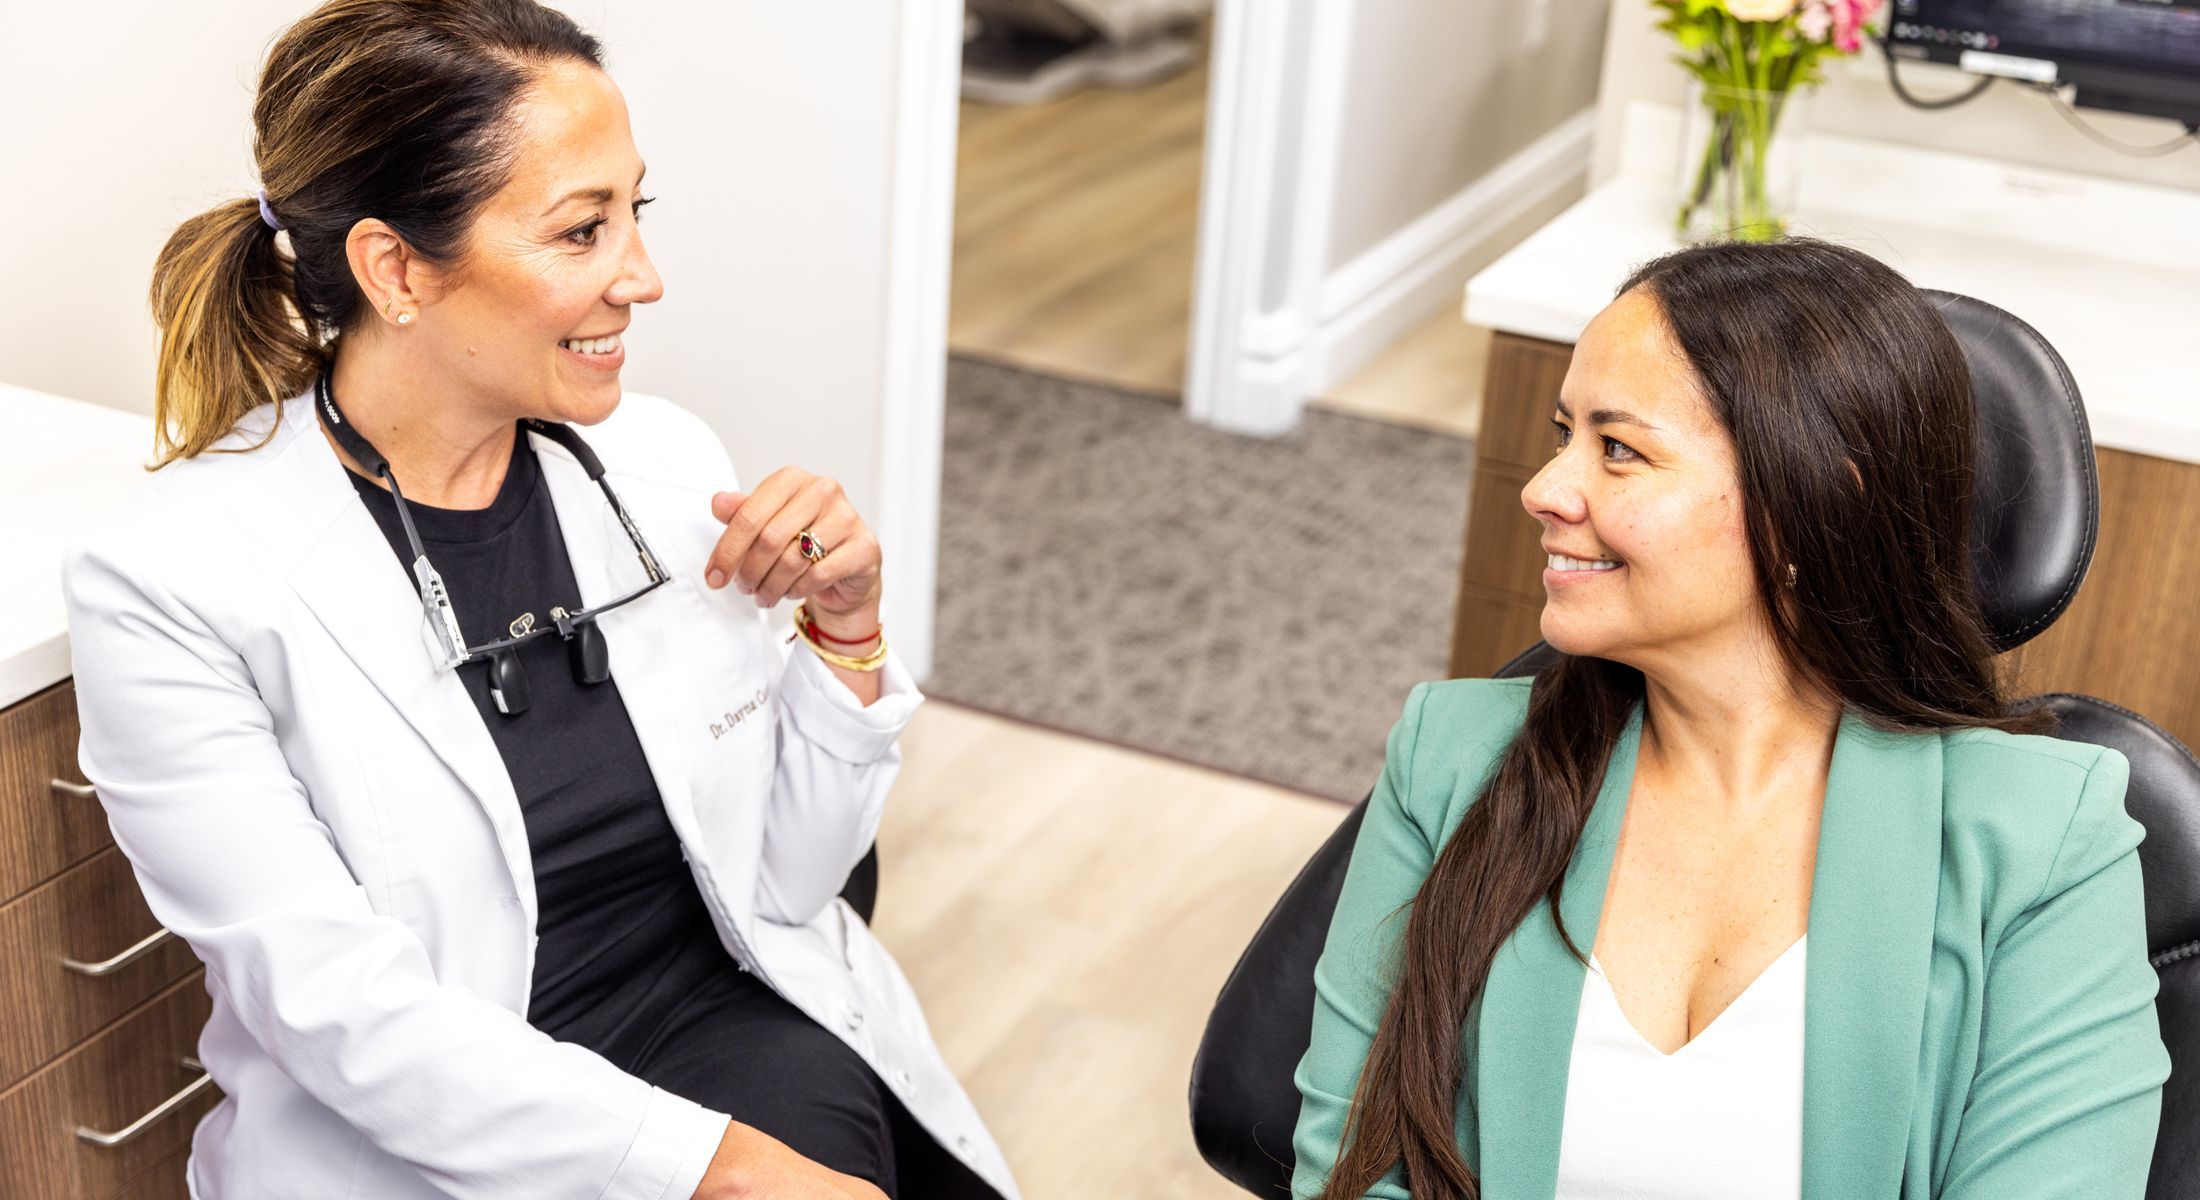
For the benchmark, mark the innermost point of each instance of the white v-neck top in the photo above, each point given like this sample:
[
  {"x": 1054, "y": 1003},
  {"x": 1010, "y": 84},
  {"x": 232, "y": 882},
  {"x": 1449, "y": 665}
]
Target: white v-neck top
[{"x": 1721, "y": 1118}]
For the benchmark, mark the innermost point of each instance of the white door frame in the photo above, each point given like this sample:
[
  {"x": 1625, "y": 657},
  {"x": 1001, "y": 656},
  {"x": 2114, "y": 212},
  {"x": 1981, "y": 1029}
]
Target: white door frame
[
  {"x": 1275, "y": 104},
  {"x": 1274, "y": 321},
  {"x": 920, "y": 251}
]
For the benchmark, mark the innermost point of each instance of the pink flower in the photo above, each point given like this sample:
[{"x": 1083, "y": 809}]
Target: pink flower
[
  {"x": 1759, "y": 10},
  {"x": 1849, "y": 19}
]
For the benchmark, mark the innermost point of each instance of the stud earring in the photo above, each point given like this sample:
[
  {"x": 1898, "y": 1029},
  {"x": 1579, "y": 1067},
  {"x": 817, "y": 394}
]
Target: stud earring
[
  {"x": 1791, "y": 575},
  {"x": 404, "y": 318}
]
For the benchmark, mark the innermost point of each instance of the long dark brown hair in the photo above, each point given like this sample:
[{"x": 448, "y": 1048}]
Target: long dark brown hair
[
  {"x": 1816, "y": 358},
  {"x": 396, "y": 109}
]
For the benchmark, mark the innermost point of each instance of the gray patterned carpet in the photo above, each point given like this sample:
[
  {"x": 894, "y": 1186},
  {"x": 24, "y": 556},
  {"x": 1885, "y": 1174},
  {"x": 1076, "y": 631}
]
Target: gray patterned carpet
[{"x": 1257, "y": 606}]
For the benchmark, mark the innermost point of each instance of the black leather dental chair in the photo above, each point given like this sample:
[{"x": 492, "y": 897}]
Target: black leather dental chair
[
  {"x": 2036, "y": 512},
  {"x": 861, "y": 890}
]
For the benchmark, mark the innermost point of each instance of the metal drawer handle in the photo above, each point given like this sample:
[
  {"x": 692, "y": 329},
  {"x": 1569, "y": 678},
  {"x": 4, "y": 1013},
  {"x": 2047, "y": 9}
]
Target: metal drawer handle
[
  {"x": 82, "y": 791},
  {"x": 96, "y": 969},
  {"x": 171, "y": 1104}
]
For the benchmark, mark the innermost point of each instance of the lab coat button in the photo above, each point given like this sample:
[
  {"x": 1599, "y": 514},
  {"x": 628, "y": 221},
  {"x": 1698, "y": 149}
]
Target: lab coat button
[
  {"x": 852, "y": 1015},
  {"x": 963, "y": 1150},
  {"x": 903, "y": 1083}
]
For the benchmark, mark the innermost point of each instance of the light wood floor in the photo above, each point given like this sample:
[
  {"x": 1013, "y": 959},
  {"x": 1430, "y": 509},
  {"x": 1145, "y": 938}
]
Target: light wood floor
[
  {"x": 1432, "y": 379},
  {"x": 1075, "y": 227},
  {"x": 1068, "y": 910}
]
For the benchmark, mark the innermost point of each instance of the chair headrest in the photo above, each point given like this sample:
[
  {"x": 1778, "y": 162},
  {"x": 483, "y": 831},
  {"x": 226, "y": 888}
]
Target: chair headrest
[{"x": 2036, "y": 502}]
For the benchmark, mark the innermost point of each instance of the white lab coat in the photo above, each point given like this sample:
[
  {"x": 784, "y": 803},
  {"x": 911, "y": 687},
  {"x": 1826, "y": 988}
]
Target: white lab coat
[{"x": 323, "y": 816}]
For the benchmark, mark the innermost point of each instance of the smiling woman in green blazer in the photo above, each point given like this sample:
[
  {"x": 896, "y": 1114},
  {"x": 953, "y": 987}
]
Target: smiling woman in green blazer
[{"x": 1776, "y": 713}]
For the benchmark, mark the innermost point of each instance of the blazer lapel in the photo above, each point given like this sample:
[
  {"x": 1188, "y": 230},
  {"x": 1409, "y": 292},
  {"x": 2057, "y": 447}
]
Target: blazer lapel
[
  {"x": 1873, "y": 898},
  {"x": 1524, "y": 1038}
]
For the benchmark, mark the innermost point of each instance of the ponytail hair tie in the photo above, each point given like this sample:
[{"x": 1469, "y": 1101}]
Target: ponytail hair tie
[{"x": 267, "y": 215}]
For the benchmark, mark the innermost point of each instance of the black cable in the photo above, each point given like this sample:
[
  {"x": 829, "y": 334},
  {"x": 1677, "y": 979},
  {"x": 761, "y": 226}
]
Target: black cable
[
  {"x": 2191, "y": 135},
  {"x": 1894, "y": 80},
  {"x": 2054, "y": 95}
]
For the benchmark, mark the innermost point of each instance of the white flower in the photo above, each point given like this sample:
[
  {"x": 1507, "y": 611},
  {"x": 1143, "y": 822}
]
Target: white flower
[
  {"x": 1759, "y": 10},
  {"x": 1815, "y": 22}
]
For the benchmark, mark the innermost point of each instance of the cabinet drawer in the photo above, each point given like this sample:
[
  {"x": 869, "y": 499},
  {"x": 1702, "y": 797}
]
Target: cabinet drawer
[
  {"x": 1491, "y": 629},
  {"x": 1519, "y": 398},
  {"x": 1504, "y": 550},
  {"x": 164, "y": 1182},
  {"x": 59, "y": 978},
  {"x": 43, "y": 828},
  {"x": 108, "y": 1085}
]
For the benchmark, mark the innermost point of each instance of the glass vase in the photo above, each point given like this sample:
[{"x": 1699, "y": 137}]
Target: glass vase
[{"x": 1740, "y": 163}]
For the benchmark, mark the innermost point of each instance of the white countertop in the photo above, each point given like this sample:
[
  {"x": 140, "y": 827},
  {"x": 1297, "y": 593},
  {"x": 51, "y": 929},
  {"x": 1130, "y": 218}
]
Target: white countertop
[
  {"x": 63, "y": 463},
  {"x": 2107, "y": 271}
]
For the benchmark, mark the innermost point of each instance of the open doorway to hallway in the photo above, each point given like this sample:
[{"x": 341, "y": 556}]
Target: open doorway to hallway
[
  {"x": 1076, "y": 219},
  {"x": 1077, "y": 222}
]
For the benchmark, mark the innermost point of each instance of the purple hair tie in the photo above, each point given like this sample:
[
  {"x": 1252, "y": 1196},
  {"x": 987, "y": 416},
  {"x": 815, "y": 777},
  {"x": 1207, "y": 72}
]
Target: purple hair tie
[{"x": 267, "y": 215}]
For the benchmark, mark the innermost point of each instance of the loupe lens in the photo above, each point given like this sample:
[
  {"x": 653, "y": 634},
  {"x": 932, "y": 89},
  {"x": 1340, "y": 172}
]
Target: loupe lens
[
  {"x": 507, "y": 683},
  {"x": 591, "y": 655}
]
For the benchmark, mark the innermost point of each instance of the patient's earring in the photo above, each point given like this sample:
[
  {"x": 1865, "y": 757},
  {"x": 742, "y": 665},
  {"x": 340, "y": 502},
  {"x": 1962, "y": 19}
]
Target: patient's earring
[
  {"x": 1791, "y": 575},
  {"x": 404, "y": 318}
]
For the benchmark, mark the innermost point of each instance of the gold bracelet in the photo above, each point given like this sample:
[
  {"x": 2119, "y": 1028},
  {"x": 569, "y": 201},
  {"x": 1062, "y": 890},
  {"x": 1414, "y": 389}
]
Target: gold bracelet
[{"x": 874, "y": 661}]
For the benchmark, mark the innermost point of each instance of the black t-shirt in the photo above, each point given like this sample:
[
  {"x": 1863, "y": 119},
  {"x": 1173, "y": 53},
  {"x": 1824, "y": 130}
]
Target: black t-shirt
[{"x": 623, "y": 931}]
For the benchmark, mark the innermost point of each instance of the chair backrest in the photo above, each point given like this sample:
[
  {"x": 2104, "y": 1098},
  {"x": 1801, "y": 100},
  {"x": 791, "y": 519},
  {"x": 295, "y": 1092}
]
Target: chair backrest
[
  {"x": 861, "y": 889},
  {"x": 2164, "y": 797},
  {"x": 2036, "y": 513}
]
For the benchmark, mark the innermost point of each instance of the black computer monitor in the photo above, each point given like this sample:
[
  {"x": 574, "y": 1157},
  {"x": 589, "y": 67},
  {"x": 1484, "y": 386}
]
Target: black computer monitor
[{"x": 2135, "y": 56}]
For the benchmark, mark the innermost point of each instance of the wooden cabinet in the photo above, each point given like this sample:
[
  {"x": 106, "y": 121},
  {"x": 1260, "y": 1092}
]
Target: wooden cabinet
[
  {"x": 2129, "y": 637},
  {"x": 49, "y": 819},
  {"x": 99, "y": 1092},
  {"x": 1501, "y": 577}
]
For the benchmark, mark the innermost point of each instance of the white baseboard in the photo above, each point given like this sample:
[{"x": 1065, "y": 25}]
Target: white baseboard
[{"x": 1367, "y": 304}]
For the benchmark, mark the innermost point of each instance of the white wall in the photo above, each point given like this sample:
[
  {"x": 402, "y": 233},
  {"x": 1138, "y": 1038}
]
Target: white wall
[
  {"x": 126, "y": 123},
  {"x": 2007, "y": 122},
  {"x": 1439, "y": 92},
  {"x": 776, "y": 136}
]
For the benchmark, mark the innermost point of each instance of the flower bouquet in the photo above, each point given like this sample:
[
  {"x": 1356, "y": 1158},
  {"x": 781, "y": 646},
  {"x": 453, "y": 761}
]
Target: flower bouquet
[{"x": 1750, "y": 59}]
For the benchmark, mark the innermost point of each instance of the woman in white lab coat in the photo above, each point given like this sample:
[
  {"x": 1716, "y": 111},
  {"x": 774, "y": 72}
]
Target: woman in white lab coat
[{"x": 453, "y": 740}]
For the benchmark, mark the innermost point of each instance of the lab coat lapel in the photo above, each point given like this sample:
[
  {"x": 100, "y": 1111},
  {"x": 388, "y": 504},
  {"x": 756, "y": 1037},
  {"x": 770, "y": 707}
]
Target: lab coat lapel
[
  {"x": 644, "y": 658},
  {"x": 373, "y": 612},
  {"x": 1524, "y": 1038},
  {"x": 1873, "y": 898}
]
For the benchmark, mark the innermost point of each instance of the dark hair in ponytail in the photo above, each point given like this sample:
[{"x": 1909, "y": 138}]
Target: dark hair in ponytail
[
  {"x": 1829, "y": 371},
  {"x": 395, "y": 109}
]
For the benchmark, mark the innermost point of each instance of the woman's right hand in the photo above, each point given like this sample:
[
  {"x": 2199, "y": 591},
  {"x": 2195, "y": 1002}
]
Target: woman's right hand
[{"x": 754, "y": 1165}]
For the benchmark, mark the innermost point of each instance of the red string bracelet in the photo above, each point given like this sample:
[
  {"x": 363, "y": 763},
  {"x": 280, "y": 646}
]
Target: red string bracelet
[{"x": 823, "y": 636}]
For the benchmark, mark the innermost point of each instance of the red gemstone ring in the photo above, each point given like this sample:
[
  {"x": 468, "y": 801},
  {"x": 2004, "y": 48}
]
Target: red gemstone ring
[{"x": 810, "y": 546}]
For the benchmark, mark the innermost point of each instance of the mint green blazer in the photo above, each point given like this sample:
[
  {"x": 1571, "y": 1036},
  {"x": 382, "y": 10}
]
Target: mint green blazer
[{"x": 1979, "y": 1011}]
